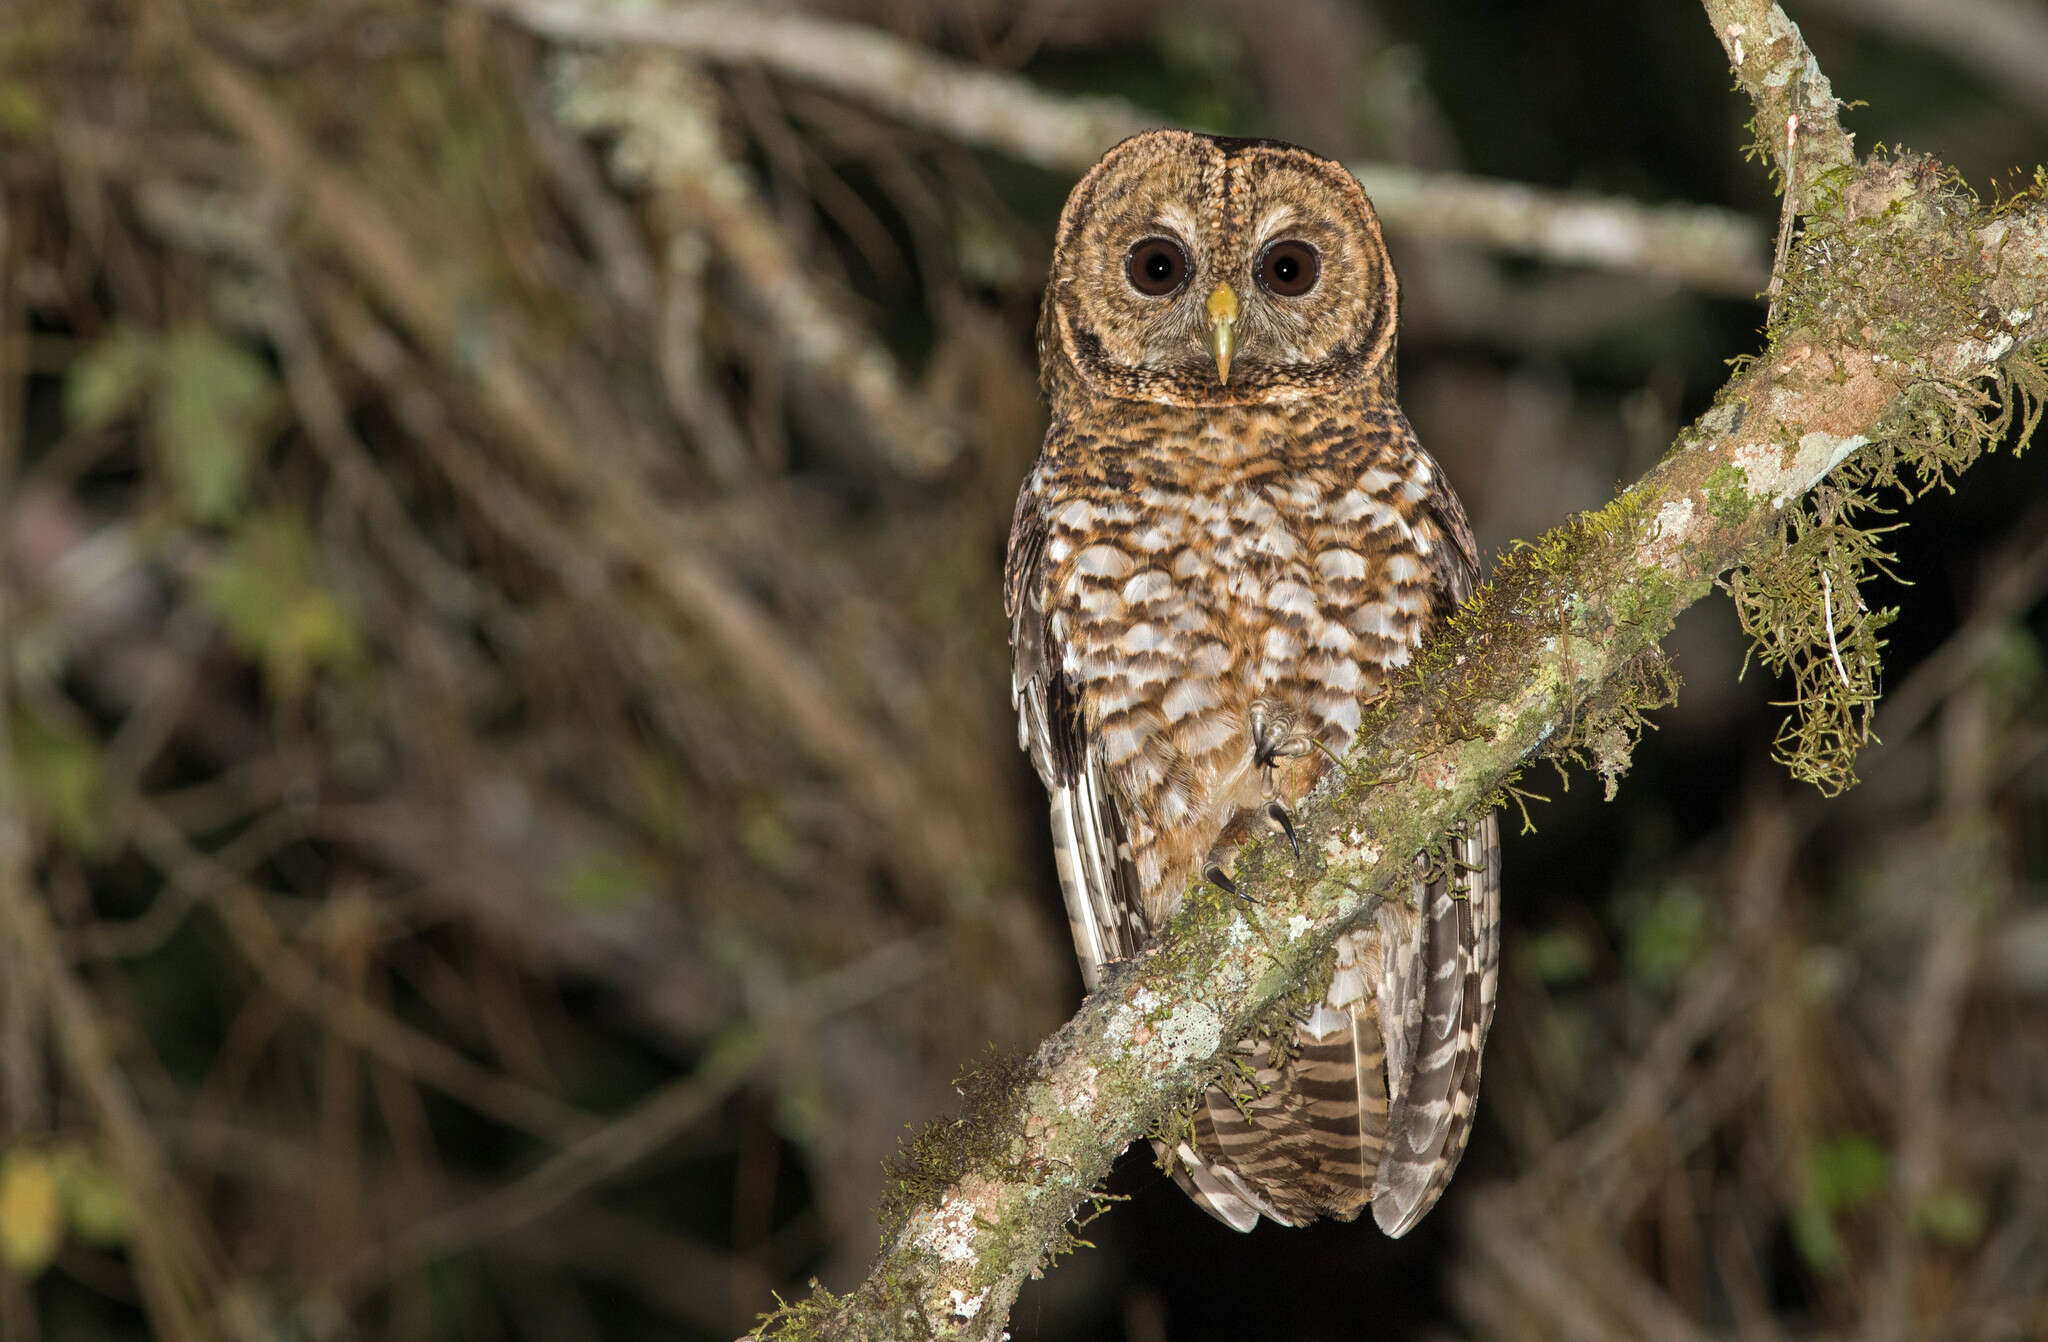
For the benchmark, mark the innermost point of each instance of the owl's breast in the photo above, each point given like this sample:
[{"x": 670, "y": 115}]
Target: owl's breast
[{"x": 1185, "y": 613}]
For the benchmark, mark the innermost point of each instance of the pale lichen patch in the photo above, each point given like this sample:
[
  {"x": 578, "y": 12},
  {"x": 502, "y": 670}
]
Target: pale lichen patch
[
  {"x": 1668, "y": 532},
  {"x": 947, "y": 1231},
  {"x": 1194, "y": 1031},
  {"x": 1081, "y": 1094},
  {"x": 1772, "y": 476},
  {"x": 1360, "y": 849}
]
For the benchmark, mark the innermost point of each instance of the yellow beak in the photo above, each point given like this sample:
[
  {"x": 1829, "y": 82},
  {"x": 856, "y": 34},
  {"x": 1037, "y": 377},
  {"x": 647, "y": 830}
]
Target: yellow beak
[{"x": 1222, "y": 309}]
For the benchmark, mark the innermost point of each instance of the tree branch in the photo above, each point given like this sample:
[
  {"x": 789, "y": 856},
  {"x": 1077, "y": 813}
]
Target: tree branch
[
  {"x": 1707, "y": 248},
  {"x": 1794, "y": 101},
  {"x": 1558, "y": 651}
]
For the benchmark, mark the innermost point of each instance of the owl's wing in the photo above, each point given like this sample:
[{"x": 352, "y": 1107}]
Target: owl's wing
[
  {"x": 1437, "y": 987},
  {"x": 1088, "y": 835}
]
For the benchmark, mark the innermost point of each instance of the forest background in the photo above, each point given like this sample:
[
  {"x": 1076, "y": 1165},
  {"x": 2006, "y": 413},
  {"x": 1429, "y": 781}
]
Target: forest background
[{"x": 510, "y": 810}]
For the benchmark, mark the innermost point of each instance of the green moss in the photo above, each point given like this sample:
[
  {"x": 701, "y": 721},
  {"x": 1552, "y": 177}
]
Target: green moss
[
  {"x": 2034, "y": 192},
  {"x": 1886, "y": 261},
  {"x": 1727, "y": 492},
  {"x": 943, "y": 1150},
  {"x": 810, "y": 1317},
  {"x": 1892, "y": 268}
]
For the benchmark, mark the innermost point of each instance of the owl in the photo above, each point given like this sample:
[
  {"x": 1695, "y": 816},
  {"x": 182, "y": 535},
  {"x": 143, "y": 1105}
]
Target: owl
[{"x": 1230, "y": 542}]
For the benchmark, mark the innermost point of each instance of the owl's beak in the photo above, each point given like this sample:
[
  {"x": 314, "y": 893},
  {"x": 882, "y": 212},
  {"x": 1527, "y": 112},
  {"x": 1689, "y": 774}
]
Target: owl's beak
[{"x": 1222, "y": 308}]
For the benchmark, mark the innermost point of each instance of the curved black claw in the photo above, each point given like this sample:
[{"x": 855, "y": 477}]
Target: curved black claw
[
  {"x": 1278, "y": 815},
  {"x": 1220, "y": 878}
]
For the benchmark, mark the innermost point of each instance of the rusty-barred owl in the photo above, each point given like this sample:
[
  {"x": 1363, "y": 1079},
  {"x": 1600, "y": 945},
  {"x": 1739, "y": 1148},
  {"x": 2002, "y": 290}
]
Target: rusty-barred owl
[{"x": 1230, "y": 541}]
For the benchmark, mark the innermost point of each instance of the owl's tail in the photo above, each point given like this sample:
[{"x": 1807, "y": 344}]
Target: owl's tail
[
  {"x": 1321, "y": 1132},
  {"x": 1308, "y": 1141}
]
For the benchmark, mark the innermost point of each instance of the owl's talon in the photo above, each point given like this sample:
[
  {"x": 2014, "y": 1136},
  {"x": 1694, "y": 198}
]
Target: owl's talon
[
  {"x": 1220, "y": 878},
  {"x": 1277, "y": 813}
]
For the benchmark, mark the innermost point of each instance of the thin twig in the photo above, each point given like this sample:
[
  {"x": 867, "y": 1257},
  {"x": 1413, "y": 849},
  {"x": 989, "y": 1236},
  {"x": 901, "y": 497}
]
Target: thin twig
[
  {"x": 179, "y": 1281},
  {"x": 1827, "y": 603},
  {"x": 1788, "y": 214},
  {"x": 631, "y": 530},
  {"x": 668, "y": 141},
  {"x": 500, "y": 1097}
]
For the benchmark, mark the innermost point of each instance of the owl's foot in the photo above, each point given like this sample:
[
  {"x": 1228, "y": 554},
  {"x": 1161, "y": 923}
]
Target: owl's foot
[{"x": 1276, "y": 735}]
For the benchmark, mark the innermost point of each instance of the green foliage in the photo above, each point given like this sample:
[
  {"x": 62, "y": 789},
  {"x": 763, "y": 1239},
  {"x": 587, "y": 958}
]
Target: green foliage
[
  {"x": 607, "y": 881},
  {"x": 61, "y": 772},
  {"x": 206, "y": 400},
  {"x": 209, "y": 405},
  {"x": 49, "y": 1191},
  {"x": 1666, "y": 933},
  {"x": 110, "y": 377},
  {"x": 1954, "y": 1216},
  {"x": 267, "y": 590},
  {"x": 31, "y": 1212},
  {"x": 1843, "y": 1174},
  {"x": 23, "y": 114},
  {"x": 1557, "y": 955}
]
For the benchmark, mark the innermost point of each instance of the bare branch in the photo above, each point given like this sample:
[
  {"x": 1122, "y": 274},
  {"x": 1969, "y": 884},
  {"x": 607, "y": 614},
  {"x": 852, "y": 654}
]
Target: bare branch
[
  {"x": 1707, "y": 248},
  {"x": 1711, "y": 249},
  {"x": 668, "y": 141},
  {"x": 984, "y": 107},
  {"x": 2004, "y": 41}
]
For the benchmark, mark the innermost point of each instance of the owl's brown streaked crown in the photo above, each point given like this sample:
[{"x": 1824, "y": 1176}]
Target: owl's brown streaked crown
[{"x": 1223, "y": 201}]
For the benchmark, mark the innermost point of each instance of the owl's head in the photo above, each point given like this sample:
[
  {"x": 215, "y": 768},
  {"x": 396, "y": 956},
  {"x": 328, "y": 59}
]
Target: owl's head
[{"x": 1195, "y": 270}]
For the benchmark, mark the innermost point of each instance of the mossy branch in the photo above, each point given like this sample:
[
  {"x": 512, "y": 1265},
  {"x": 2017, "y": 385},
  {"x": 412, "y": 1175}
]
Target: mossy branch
[
  {"x": 1796, "y": 122},
  {"x": 1913, "y": 336}
]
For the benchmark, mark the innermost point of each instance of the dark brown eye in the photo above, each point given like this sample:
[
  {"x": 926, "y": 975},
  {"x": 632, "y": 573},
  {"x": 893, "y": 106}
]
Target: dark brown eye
[
  {"x": 1157, "y": 266},
  {"x": 1288, "y": 268}
]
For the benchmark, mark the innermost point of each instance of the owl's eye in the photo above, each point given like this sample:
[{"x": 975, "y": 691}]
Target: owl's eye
[
  {"x": 1156, "y": 266},
  {"x": 1288, "y": 268}
]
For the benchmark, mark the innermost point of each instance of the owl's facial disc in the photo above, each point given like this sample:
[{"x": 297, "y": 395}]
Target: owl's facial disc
[{"x": 1195, "y": 271}]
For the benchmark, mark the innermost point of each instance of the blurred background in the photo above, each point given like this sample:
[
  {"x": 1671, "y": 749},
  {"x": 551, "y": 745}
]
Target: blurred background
[{"x": 508, "y": 798}]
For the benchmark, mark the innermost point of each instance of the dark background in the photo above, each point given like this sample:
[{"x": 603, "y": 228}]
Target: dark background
[{"x": 501, "y": 597}]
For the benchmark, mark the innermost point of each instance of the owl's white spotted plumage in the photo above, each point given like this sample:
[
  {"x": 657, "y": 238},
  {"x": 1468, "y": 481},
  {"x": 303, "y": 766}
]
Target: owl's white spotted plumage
[{"x": 1229, "y": 543}]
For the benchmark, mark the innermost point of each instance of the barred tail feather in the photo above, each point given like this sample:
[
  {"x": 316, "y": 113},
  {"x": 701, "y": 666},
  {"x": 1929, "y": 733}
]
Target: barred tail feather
[
  {"x": 1308, "y": 1143},
  {"x": 1375, "y": 1101},
  {"x": 1432, "y": 1120}
]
